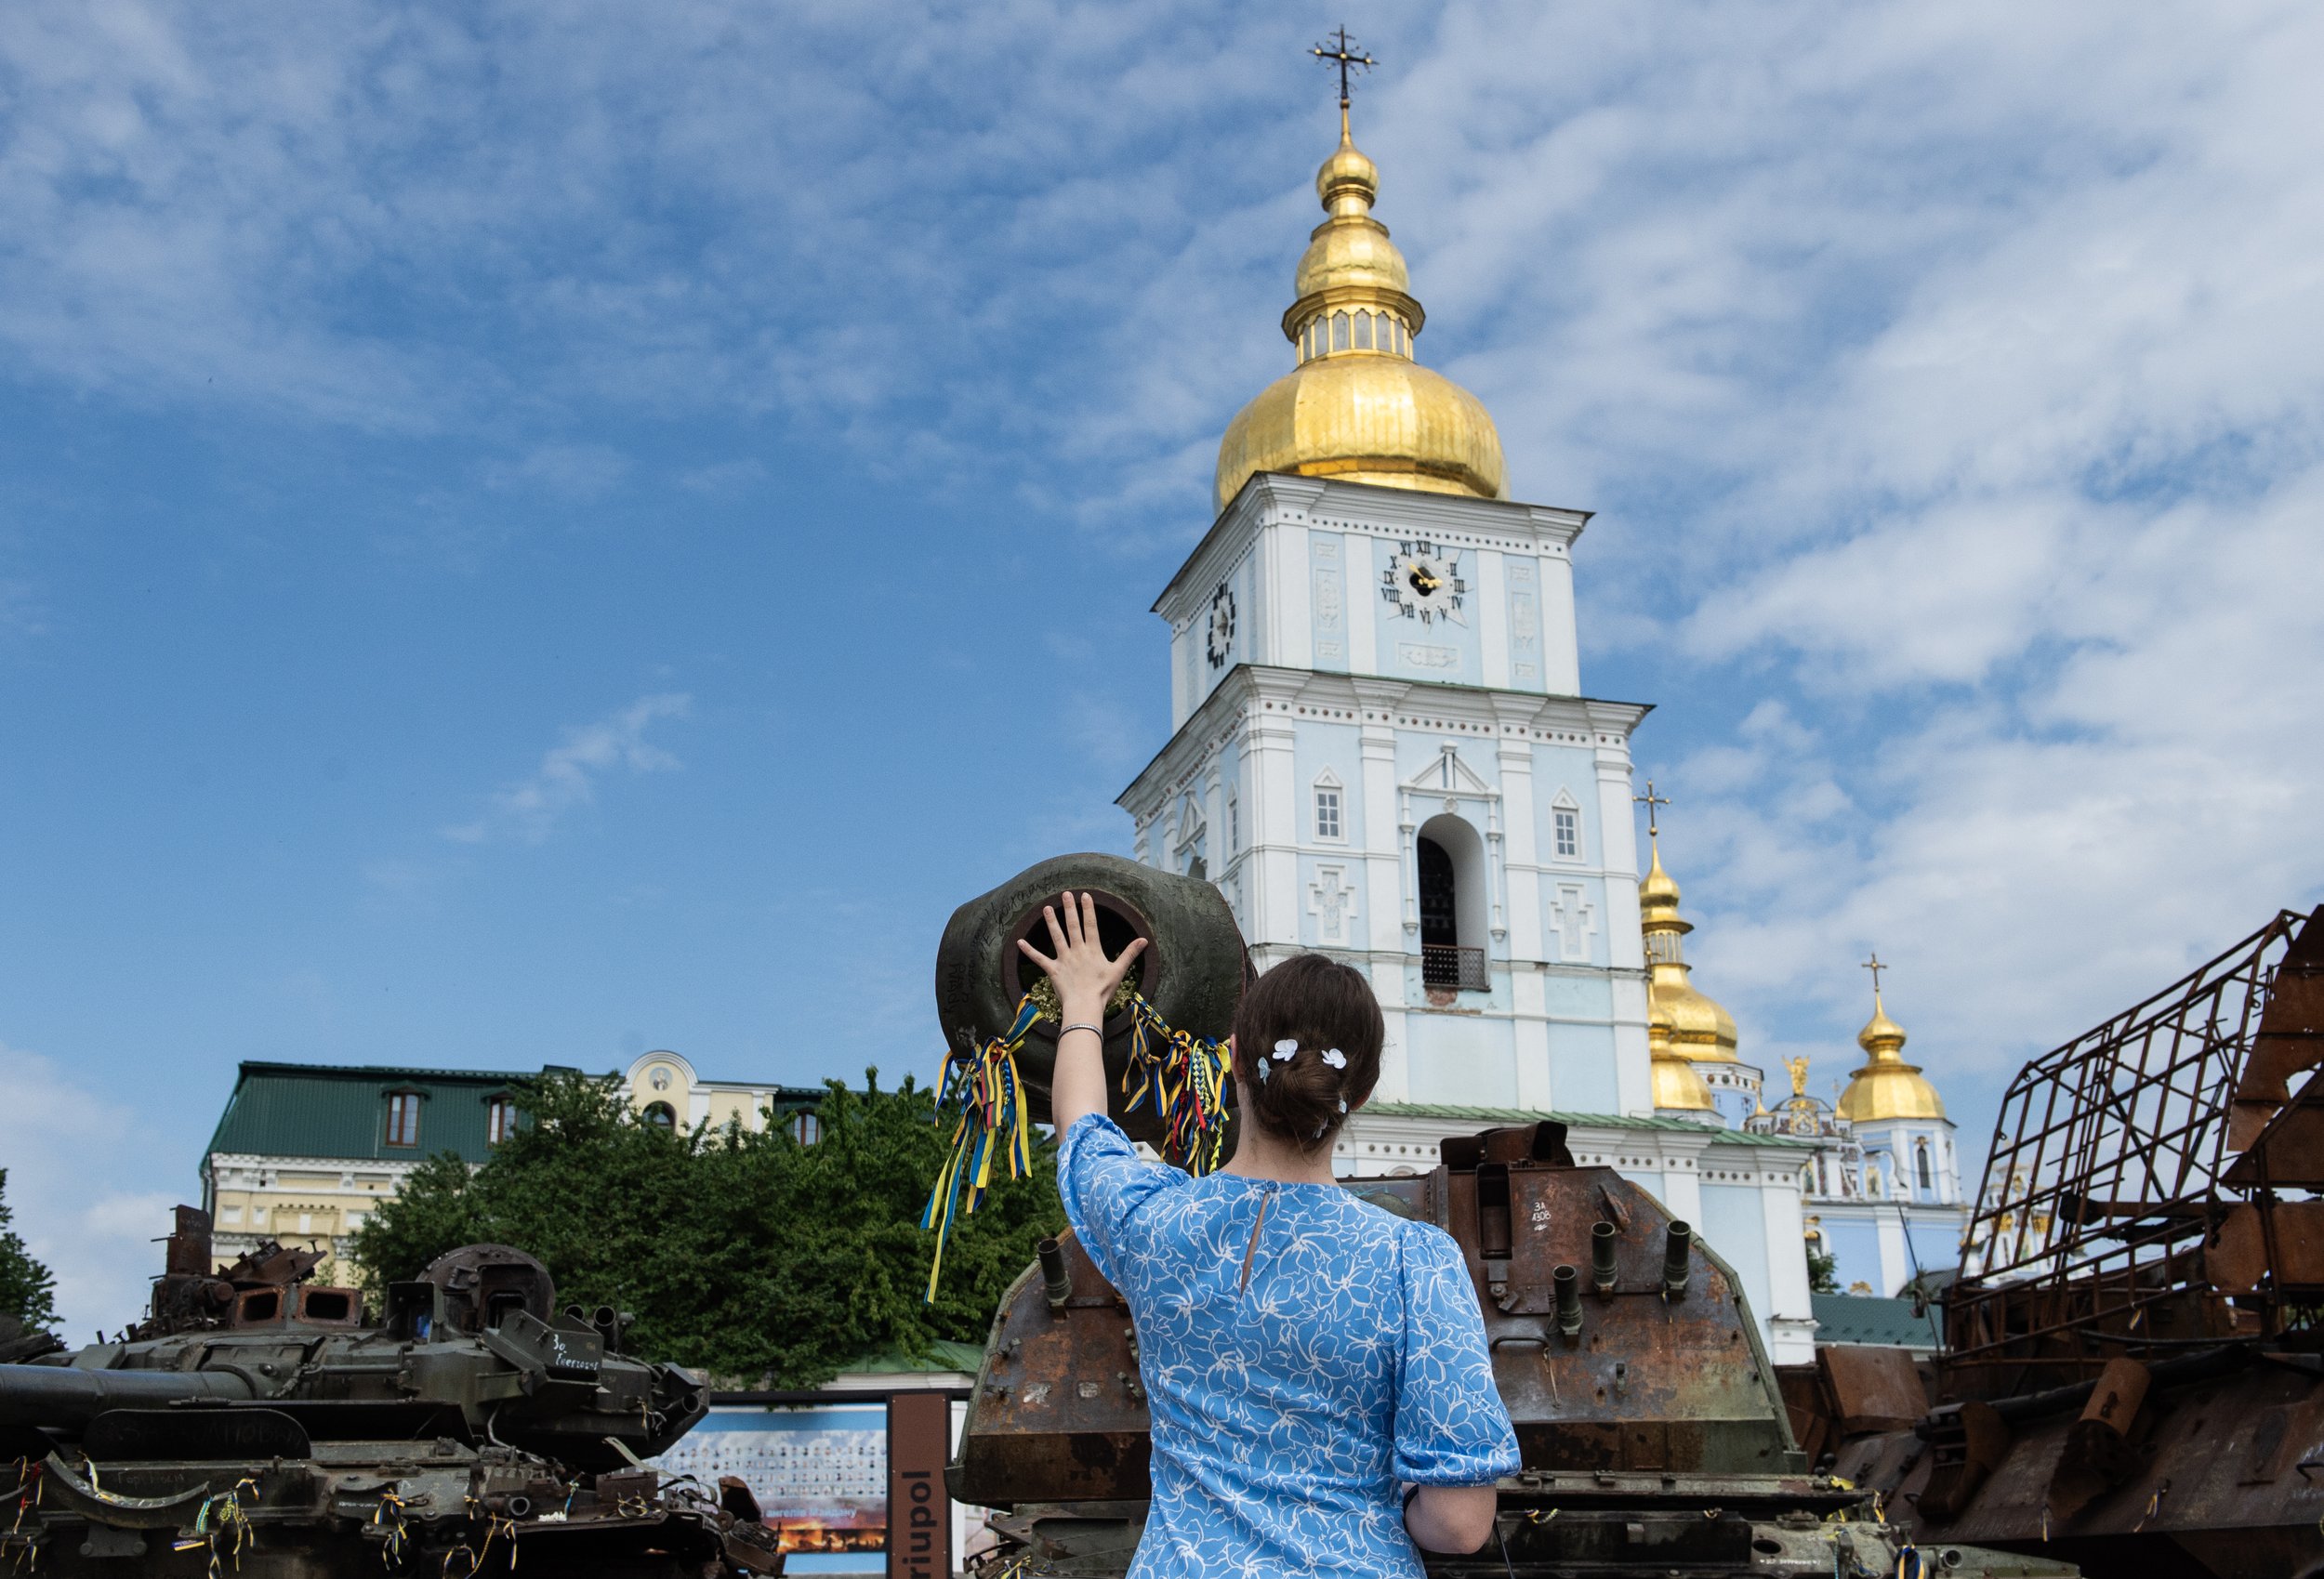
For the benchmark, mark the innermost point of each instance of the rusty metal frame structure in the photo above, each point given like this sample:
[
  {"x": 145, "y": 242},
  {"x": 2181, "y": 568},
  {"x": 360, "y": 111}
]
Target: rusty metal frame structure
[{"x": 2105, "y": 1179}]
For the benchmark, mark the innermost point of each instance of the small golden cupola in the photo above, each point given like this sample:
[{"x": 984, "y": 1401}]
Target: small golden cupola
[
  {"x": 1886, "y": 1087},
  {"x": 1357, "y": 406},
  {"x": 1677, "y": 1087},
  {"x": 1701, "y": 1032}
]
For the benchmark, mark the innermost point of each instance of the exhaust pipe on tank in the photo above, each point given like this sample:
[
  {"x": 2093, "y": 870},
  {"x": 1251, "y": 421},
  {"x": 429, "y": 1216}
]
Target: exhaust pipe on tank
[
  {"x": 1675, "y": 1251},
  {"x": 1569, "y": 1281},
  {"x": 1601, "y": 1238},
  {"x": 1056, "y": 1282}
]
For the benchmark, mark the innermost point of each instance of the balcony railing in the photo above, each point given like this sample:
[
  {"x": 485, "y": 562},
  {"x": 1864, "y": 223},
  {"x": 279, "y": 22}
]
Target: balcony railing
[{"x": 1461, "y": 969}]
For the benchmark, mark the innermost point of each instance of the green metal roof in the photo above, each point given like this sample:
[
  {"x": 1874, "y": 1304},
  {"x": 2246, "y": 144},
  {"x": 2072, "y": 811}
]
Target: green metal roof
[
  {"x": 303, "y": 1110},
  {"x": 1594, "y": 1120},
  {"x": 1860, "y": 1317}
]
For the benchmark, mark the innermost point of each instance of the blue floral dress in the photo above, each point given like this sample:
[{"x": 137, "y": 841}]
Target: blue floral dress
[{"x": 1302, "y": 1353}]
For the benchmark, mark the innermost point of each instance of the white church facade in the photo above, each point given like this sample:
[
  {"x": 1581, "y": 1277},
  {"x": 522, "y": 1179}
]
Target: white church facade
[{"x": 1382, "y": 750}]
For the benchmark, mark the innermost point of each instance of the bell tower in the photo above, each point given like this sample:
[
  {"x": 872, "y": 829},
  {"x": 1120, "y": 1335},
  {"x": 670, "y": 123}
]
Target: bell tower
[{"x": 1382, "y": 747}]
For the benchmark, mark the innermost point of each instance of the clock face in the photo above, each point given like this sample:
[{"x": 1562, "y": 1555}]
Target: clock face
[
  {"x": 1219, "y": 639},
  {"x": 1423, "y": 583}
]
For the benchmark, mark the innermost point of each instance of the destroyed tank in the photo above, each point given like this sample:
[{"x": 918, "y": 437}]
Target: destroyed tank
[
  {"x": 255, "y": 1422},
  {"x": 1652, "y": 1430}
]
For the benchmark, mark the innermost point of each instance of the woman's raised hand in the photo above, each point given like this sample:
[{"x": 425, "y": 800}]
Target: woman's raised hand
[{"x": 1085, "y": 978}]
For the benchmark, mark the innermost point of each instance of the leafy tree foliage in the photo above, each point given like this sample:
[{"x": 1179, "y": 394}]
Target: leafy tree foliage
[
  {"x": 739, "y": 1251},
  {"x": 27, "y": 1290},
  {"x": 1823, "y": 1270}
]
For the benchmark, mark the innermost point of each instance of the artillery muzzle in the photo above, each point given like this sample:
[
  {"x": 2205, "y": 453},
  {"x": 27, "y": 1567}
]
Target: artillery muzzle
[
  {"x": 1055, "y": 1280},
  {"x": 1601, "y": 1238},
  {"x": 1568, "y": 1283},
  {"x": 1674, "y": 1258}
]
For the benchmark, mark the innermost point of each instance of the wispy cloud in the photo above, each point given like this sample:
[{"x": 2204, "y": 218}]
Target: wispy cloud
[
  {"x": 529, "y": 811},
  {"x": 63, "y": 1143}
]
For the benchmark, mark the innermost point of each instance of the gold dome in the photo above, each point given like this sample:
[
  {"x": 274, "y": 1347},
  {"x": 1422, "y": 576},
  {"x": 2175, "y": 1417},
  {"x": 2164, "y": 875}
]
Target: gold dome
[
  {"x": 1357, "y": 406},
  {"x": 1887, "y": 1088},
  {"x": 1701, "y": 1032},
  {"x": 1676, "y": 1084}
]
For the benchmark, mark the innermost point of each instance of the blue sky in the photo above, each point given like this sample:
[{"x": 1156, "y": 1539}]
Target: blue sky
[{"x": 528, "y": 536}]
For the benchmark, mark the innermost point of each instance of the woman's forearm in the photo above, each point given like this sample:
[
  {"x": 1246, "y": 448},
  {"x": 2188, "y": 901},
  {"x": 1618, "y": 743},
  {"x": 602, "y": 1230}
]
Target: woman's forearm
[{"x": 1078, "y": 1085}]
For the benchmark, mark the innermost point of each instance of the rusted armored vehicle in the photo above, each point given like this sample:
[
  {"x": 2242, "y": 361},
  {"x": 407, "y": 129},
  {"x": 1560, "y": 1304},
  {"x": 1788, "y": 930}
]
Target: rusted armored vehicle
[
  {"x": 254, "y": 1423},
  {"x": 1654, "y": 1437},
  {"x": 2132, "y": 1374}
]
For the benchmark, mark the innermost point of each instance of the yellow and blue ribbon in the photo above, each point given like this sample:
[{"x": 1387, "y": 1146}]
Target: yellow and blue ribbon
[
  {"x": 1182, "y": 1077},
  {"x": 983, "y": 1084}
]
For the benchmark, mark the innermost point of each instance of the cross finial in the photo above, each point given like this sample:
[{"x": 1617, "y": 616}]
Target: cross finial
[
  {"x": 1650, "y": 800},
  {"x": 1346, "y": 59},
  {"x": 1875, "y": 967}
]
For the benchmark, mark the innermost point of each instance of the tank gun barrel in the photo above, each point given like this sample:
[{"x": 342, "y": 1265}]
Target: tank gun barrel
[{"x": 68, "y": 1400}]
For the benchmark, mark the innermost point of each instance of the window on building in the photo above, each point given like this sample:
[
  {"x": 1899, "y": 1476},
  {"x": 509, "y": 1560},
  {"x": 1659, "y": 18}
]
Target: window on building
[
  {"x": 404, "y": 1118},
  {"x": 806, "y": 1127},
  {"x": 1566, "y": 825},
  {"x": 1338, "y": 331},
  {"x": 1234, "y": 825},
  {"x": 661, "y": 1115},
  {"x": 1328, "y": 812},
  {"x": 1364, "y": 331},
  {"x": 1920, "y": 1160},
  {"x": 501, "y": 1119}
]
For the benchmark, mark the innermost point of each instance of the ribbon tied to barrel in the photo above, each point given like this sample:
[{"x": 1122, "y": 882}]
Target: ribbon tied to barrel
[{"x": 1181, "y": 1076}]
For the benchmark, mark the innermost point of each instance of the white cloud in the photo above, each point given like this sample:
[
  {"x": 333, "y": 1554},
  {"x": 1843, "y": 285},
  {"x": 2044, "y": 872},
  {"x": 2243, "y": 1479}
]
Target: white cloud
[
  {"x": 529, "y": 809},
  {"x": 72, "y": 1157}
]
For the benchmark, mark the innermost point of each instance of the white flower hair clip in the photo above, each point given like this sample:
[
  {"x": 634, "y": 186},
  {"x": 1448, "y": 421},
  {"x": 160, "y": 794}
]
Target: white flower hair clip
[
  {"x": 1262, "y": 1072},
  {"x": 1343, "y": 1104},
  {"x": 1285, "y": 1048},
  {"x": 1335, "y": 1058}
]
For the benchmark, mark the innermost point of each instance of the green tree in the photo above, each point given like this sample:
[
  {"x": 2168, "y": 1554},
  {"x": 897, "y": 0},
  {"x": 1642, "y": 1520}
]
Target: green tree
[
  {"x": 1823, "y": 1270},
  {"x": 27, "y": 1290},
  {"x": 739, "y": 1251}
]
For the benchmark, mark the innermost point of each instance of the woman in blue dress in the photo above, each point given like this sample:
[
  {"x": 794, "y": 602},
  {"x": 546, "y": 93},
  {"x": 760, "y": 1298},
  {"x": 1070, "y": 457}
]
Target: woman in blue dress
[{"x": 1321, "y": 1393}]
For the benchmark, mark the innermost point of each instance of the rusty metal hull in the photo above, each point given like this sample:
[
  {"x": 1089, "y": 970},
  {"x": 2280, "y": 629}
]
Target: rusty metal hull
[
  {"x": 2213, "y": 1485},
  {"x": 1653, "y": 1435}
]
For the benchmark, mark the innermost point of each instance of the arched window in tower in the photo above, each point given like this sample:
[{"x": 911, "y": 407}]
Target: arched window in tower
[
  {"x": 1450, "y": 890},
  {"x": 1363, "y": 331},
  {"x": 1338, "y": 331},
  {"x": 1920, "y": 1158},
  {"x": 661, "y": 1115}
]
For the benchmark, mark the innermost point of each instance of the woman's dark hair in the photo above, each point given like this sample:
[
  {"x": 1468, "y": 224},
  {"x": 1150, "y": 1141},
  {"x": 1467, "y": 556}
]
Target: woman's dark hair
[{"x": 1322, "y": 1005}]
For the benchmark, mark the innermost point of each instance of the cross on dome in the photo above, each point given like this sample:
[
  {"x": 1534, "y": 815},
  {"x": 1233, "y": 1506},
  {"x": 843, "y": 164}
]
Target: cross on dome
[{"x": 1339, "y": 55}]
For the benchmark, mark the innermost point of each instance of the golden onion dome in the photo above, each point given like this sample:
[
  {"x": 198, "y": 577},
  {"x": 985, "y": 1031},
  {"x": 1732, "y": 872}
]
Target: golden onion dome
[
  {"x": 1357, "y": 406},
  {"x": 1702, "y": 1031},
  {"x": 1887, "y": 1088},
  {"x": 1677, "y": 1087}
]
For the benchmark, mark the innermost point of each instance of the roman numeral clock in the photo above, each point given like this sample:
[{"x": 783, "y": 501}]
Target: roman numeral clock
[{"x": 1423, "y": 582}]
